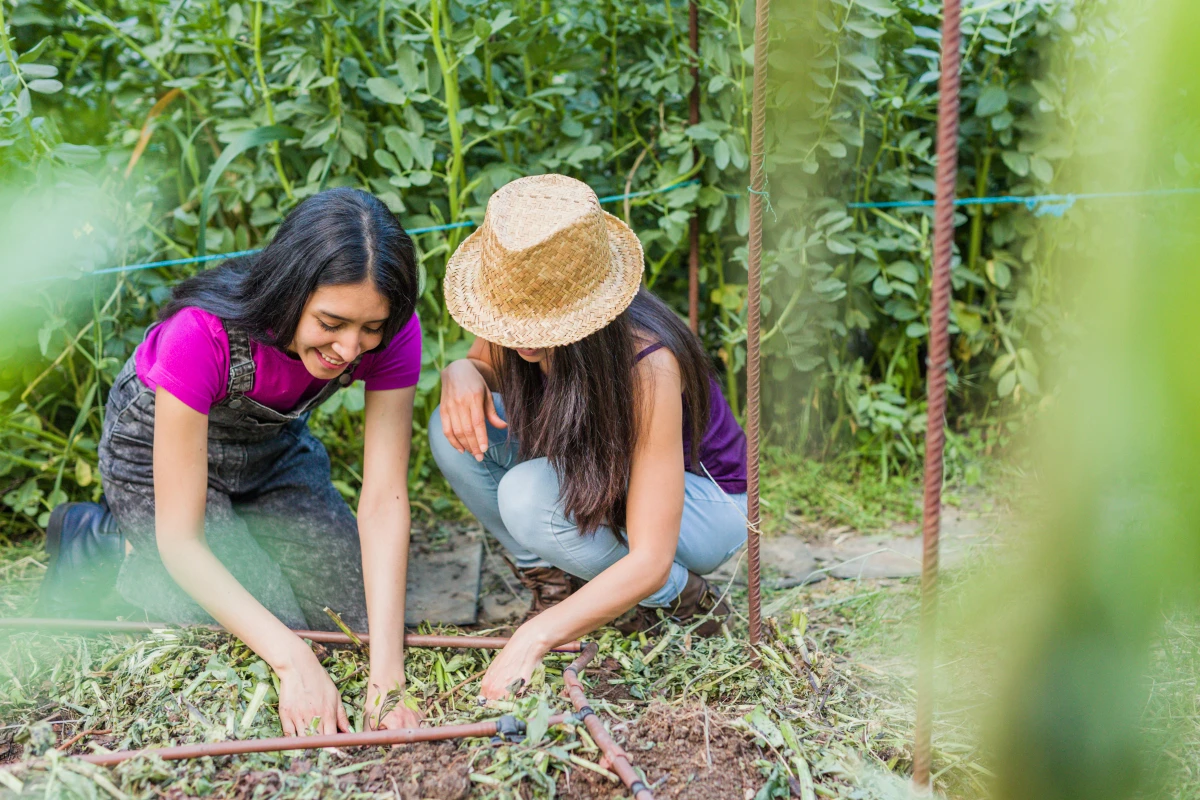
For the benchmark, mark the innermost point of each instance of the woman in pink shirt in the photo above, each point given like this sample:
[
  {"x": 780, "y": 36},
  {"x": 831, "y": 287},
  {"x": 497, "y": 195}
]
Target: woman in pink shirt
[{"x": 214, "y": 480}]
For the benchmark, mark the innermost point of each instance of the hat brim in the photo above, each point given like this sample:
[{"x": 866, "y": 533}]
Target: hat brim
[{"x": 466, "y": 304}]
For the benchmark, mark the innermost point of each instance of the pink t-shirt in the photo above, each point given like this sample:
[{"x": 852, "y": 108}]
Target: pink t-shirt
[{"x": 188, "y": 355}]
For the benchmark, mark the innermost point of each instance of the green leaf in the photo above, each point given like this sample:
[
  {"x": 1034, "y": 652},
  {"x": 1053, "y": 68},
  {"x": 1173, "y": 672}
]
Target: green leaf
[
  {"x": 998, "y": 273},
  {"x": 354, "y": 142},
  {"x": 38, "y": 70},
  {"x": 992, "y": 100},
  {"x": 45, "y": 86},
  {"x": 864, "y": 271},
  {"x": 867, "y": 27},
  {"x": 388, "y": 92},
  {"x": 764, "y": 726},
  {"x": 1007, "y": 384},
  {"x": 702, "y": 132},
  {"x": 538, "y": 723},
  {"x": 1001, "y": 366},
  {"x": 1017, "y": 162},
  {"x": 721, "y": 154},
  {"x": 247, "y": 140},
  {"x": 76, "y": 154},
  {"x": 904, "y": 270},
  {"x": 883, "y": 8},
  {"x": 24, "y": 104},
  {"x": 386, "y": 160},
  {"x": 864, "y": 64},
  {"x": 1041, "y": 169}
]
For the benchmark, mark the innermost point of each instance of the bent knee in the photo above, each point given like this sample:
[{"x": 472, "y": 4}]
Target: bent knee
[{"x": 528, "y": 500}]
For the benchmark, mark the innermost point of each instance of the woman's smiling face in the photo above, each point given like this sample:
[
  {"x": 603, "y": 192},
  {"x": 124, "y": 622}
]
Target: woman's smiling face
[{"x": 338, "y": 324}]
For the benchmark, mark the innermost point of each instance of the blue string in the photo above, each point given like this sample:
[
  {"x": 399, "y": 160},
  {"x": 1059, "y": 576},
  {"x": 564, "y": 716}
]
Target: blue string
[
  {"x": 411, "y": 231},
  {"x": 1042, "y": 205}
]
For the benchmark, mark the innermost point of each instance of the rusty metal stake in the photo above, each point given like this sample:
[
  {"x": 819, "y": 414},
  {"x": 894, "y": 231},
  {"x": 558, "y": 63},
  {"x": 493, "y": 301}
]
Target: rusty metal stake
[
  {"x": 939, "y": 355},
  {"x": 694, "y": 225},
  {"x": 758, "y": 191},
  {"x": 323, "y": 637}
]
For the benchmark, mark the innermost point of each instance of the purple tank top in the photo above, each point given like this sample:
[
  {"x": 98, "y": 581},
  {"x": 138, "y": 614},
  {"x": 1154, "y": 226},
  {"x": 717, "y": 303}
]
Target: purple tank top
[{"x": 723, "y": 445}]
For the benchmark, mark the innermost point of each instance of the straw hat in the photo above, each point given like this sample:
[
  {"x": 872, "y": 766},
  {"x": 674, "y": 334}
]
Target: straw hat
[{"x": 547, "y": 267}]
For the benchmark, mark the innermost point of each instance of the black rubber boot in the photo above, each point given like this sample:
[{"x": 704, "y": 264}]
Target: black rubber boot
[{"x": 86, "y": 548}]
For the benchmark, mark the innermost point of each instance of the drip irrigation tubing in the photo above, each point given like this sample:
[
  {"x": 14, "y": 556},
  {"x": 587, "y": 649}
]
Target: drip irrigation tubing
[
  {"x": 618, "y": 759},
  {"x": 496, "y": 727},
  {"x": 411, "y": 231},
  {"x": 505, "y": 728},
  {"x": 322, "y": 637}
]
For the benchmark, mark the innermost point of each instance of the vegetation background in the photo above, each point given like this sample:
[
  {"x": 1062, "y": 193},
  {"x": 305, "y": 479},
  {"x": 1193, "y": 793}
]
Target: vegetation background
[{"x": 431, "y": 104}]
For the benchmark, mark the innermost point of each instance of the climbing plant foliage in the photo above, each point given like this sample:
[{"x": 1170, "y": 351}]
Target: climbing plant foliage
[{"x": 129, "y": 109}]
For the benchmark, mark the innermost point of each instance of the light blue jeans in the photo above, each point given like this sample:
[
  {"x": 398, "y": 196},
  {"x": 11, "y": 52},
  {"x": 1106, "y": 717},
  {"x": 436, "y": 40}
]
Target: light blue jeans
[{"x": 518, "y": 503}]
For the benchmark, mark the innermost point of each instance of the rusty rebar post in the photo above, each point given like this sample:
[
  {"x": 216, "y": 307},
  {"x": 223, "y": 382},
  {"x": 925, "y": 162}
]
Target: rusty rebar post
[
  {"x": 694, "y": 225},
  {"x": 323, "y": 637},
  {"x": 618, "y": 759},
  {"x": 758, "y": 191},
  {"x": 939, "y": 355}
]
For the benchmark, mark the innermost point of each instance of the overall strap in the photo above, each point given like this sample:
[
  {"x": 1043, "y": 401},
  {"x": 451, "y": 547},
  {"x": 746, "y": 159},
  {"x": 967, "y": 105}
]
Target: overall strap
[
  {"x": 347, "y": 376},
  {"x": 241, "y": 363}
]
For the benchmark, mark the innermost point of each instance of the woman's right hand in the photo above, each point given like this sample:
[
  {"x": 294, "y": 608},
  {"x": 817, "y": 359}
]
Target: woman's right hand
[
  {"x": 307, "y": 694},
  {"x": 467, "y": 407}
]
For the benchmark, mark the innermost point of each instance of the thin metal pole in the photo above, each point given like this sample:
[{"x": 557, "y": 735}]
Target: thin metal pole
[
  {"x": 324, "y": 637},
  {"x": 758, "y": 190},
  {"x": 939, "y": 355},
  {"x": 694, "y": 119}
]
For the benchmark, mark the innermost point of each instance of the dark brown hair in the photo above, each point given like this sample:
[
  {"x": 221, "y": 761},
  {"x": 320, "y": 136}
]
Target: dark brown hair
[{"x": 583, "y": 414}]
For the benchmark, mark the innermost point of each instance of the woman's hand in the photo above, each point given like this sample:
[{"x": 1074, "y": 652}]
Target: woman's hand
[
  {"x": 513, "y": 668},
  {"x": 308, "y": 700},
  {"x": 466, "y": 403},
  {"x": 388, "y": 712}
]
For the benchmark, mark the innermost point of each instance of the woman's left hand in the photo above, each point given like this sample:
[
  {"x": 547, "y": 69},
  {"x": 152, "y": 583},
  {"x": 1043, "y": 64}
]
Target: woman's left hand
[
  {"x": 397, "y": 715},
  {"x": 513, "y": 668}
]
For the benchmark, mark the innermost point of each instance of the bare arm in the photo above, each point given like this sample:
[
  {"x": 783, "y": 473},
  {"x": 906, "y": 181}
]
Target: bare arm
[
  {"x": 480, "y": 354},
  {"x": 654, "y": 510},
  {"x": 180, "y": 492},
  {"x": 467, "y": 386},
  {"x": 383, "y": 529}
]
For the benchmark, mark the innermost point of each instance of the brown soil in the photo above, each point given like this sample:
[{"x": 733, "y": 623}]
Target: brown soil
[
  {"x": 599, "y": 688},
  {"x": 668, "y": 744},
  {"x": 417, "y": 771}
]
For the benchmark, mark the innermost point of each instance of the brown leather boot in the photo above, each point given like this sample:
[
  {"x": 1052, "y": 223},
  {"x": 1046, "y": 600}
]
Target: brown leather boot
[
  {"x": 549, "y": 585},
  {"x": 697, "y": 599}
]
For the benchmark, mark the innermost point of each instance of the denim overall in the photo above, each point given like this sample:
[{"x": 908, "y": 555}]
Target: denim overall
[{"x": 272, "y": 516}]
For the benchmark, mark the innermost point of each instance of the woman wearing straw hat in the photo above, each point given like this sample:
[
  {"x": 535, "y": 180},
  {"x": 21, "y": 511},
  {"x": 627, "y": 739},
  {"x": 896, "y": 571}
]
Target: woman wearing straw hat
[{"x": 585, "y": 428}]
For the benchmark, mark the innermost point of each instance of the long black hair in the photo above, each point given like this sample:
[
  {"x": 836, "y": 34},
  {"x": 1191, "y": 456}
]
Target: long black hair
[
  {"x": 336, "y": 237},
  {"x": 584, "y": 414}
]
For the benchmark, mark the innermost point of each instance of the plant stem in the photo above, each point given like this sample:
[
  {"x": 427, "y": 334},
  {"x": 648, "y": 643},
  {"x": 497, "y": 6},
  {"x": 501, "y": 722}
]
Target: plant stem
[{"x": 266, "y": 96}]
